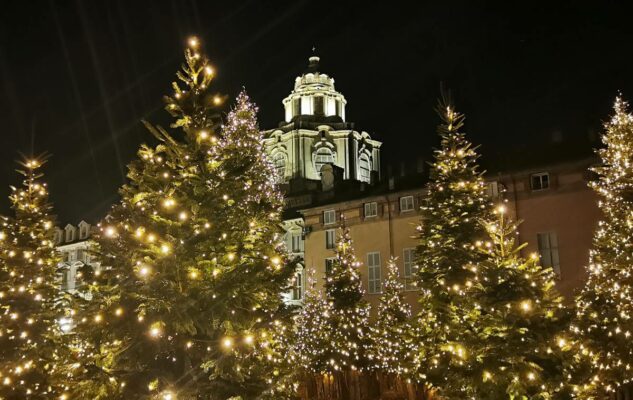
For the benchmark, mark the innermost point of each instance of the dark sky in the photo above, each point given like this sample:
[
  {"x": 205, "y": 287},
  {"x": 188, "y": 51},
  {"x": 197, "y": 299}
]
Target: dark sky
[{"x": 76, "y": 77}]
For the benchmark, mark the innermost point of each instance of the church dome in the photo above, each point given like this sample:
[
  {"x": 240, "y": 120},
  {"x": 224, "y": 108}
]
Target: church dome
[{"x": 314, "y": 95}]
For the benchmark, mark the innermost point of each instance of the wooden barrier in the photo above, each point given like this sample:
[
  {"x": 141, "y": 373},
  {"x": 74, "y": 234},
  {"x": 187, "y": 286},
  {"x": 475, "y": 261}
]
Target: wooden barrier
[{"x": 354, "y": 385}]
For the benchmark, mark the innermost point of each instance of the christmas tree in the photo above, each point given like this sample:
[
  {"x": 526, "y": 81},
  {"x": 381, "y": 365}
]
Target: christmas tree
[
  {"x": 311, "y": 339},
  {"x": 348, "y": 319},
  {"x": 30, "y": 303},
  {"x": 604, "y": 323},
  {"x": 195, "y": 266},
  {"x": 446, "y": 255},
  {"x": 520, "y": 345},
  {"x": 392, "y": 351}
]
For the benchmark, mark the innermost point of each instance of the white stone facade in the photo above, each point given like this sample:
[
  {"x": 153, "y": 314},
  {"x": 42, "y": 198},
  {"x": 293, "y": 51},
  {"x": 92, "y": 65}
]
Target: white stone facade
[{"x": 315, "y": 133}]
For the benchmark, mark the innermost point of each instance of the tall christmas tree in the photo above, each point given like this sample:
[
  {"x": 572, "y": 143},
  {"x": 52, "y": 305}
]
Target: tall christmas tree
[
  {"x": 604, "y": 321},
  {"x": 195, "y": 264},
  {"x": 446, "y": 255},
  {"x": 29, "y": 297},
  {"x": 520, "y": 342},
  {"x": 349, "y": 314},
  {"x": 392, "y": 349}
]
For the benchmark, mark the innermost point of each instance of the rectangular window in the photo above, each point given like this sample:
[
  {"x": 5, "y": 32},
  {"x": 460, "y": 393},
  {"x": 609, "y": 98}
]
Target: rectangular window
[
  {"x": 548, "y": 249},
  {"x": 297, "y": 286},
  {"x": 338, "y": 108},
  {"x": 296, "y": 243},
  {"x": 296, "y": 106},
  {"x": 371, "y": 209},
  {"x": 408, "y": 257},
  {"x": 318, "y": 105},
  {"x": 539, "y": 181},
  {"x": 81, "y": 255},
  {"x": 373, "y": 272},
  {"x": 330, "y": 238},
  {"x": 329, "y": 264},
  {"x": 329, "y": 217},
  {"x": 406, "y": 203}
]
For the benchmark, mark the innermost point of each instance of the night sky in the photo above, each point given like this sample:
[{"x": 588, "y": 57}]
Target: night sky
[{"x": 76, "y": 77}]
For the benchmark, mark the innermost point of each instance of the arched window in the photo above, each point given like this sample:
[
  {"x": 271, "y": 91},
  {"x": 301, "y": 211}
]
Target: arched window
[
  {"x": 364, "y": 168},
  {"x": 279, "y": 161},
  {"x": 321, "y": 157}
]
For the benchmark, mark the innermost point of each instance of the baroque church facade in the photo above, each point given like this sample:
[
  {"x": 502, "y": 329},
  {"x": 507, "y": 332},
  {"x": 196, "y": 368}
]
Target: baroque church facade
[{"x": 315, "y": 133}]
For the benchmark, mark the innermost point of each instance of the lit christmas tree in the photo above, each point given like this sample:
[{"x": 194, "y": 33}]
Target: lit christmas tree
[
  {"x": 195, "y": 266},
  {"x": 520, "y": 346},
  {"x": 313, "y": 331},
  {"x": 392, "y": 351},
  {"x": 349, "y": 314},
  {"x": 604, "y": 320},
  {"x": 29, "y": 297},
  {"x": 446, "y": 255}
]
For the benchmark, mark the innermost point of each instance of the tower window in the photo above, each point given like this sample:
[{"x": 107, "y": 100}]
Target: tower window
[
  {"x": 318, "y": 105},
  {"x": 321, "y": 157},
  {"x": 338, "y": 108},
  {"x": 279, "y": 162},
  {"x": 364, "y": 168},
  {"x": 296, "y": 106}
]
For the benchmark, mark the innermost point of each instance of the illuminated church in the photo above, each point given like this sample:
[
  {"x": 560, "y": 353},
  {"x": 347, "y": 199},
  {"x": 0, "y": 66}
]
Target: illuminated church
[{"x": 315, "y": 133}]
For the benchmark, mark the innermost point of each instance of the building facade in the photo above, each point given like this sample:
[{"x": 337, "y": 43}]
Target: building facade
[
  {"x": 315, "y": 133},
  {"x": 558, "y": 212}
]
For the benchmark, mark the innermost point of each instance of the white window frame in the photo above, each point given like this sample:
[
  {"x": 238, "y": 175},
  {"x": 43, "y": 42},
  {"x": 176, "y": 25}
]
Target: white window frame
[
  {"x": 364, "y": 168},
  {"x": 329, "y": 217},
  {"x": 374, "y": 284},
  {"x": 330, "y": 239},
  {"x": 405, "y": 201},
  {"x": 540, "y": 177},
  {"x": 296, "y": 242},
  {"x": 322, "y": 156},
  {"x": 370, "y": 209},
  {"x": 408, "y": 261},
  {"x": 548, "y": 248},
  {"x": 298, "y": 285}
]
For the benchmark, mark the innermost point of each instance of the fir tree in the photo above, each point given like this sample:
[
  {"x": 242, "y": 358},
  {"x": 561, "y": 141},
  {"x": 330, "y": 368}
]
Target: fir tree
[
  {"x": 604, "y": 320},
  {"x": 311, "y": 339},
  {"x": 187, "y": 304},
  {"x": 349, "y": 313},
  {"x": 519, "y": 349},
  {"x": 392, "y": 349},
  {"x": 446, "y": 256},
  {"x": 30, "y": 342}
]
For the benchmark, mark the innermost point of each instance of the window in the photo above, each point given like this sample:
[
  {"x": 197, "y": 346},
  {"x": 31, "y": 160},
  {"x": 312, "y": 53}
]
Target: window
[
  {"x": 408, "y": 257},
  {"x": 371, "y": 209},
  {"x": 70, "y": 234},
  {"x": 321, "y": 157},
  {"x": 338, "y": 107},
  {"x": 279, "y": 162},
  {"x": 296, "y": 106},
  {"x": 364, "y": 168},
  {"x": 329, "y": 264},
  {"x": 540, "y": 181},
  {"x": 373, "y": 272},
  {"x": 548, "y": 249},
  {"x": 296, "y": 243},
  {"x": 329, "y": 217},
  {"x": 81, "y": 255},
  {"x": 297, "y": 286},
  {"x": 318, "y": 105},
  {"x": 330, "y": 238},
  {"x": 65, "y": 279},
  {"x": 406, "y": 203}
]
